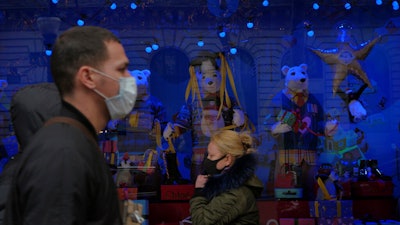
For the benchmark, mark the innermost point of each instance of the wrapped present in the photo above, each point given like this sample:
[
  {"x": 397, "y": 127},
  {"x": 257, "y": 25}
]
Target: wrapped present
[
  {"x": 285, "y": 180},
  {"x": 335, "y": 221},
  {"x": 286, "y": 117},
  {"x": 297, "y": 221},
  {"x": 351, "y": 138},
  {"x": 292, "y": 209},
  {"x": 335, "y": 143},
  {"x": 376, "y": 188},
  {"x": 177, "y": 192},
  {"x": 331, "y": 208}
]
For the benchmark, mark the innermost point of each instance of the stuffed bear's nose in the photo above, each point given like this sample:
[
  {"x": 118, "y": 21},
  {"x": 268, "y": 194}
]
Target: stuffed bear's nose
[
  {"x": 302, "y": 79},
  {"x": 210, "y": 82}
]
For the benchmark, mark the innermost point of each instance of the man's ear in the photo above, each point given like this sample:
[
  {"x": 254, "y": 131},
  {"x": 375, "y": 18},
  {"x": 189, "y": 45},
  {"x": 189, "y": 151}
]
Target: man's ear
[{"x": 86, "y": 76}]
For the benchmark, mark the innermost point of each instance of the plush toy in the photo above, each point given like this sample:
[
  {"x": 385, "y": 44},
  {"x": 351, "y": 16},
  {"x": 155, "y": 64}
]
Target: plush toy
[
  {"x": 299, "y": 121},
  {"x": 141, "y": 129},
  {"x": 207, "y": 109},
  {"x": 328, "y": 183},
  {"x": 355, "y": 107}
]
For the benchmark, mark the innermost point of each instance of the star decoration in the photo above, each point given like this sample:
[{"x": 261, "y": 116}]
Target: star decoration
[{"x": 345, "y": 61}]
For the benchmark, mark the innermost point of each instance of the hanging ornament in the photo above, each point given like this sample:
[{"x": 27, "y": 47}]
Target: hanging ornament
[{"x": 345, "y": 58}]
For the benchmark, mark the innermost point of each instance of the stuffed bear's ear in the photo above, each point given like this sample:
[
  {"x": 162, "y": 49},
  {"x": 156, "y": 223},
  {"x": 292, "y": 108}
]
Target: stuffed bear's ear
[
  {"x": 146, "y": 72},
  {"x": 285, "y": 70},
  {"x": 304, "y": 66}
]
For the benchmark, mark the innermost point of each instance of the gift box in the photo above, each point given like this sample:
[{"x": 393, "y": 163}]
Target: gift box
[
  {"x": 177, "y": 192},
  {"x": 336, "y": 143},
  {"x": 293, "y": 209},
  {"x": 286, "y": 117},
  {"x": 377, "y": 188},
  {"x": 335, "y": 221},
  {"x": 296, "y": 221},
  {"x": 330, "y": 209}
]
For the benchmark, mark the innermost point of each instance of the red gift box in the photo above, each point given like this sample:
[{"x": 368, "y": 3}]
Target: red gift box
[
  {"x": 293, "y": 209},
  {"x": 378, "y": 188},
  {"x": 177, "y": 192}
]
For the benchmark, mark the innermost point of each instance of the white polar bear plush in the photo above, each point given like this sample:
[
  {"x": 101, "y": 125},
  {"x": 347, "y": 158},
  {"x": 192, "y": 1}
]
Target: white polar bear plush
[{"x": 296, "y": 89}]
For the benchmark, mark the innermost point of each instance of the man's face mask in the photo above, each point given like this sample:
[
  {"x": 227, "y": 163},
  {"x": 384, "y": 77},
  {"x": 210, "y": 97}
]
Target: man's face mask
[{"x": 120, "y": 105}]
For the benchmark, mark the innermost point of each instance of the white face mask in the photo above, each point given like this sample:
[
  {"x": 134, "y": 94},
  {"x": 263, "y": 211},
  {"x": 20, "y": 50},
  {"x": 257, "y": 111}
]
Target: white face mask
[{"x": 120, "y": 105}]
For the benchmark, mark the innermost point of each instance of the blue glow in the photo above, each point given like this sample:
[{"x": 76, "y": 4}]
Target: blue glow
[
  {"x": 133, "y": 5},
  {"x": 347, "y": 6},
  {"x": 148, "y": 49},
  {"x": 200, "y": 43},
  {"x": 265, "y": 3},
  {"x": 155, "y": 46},
  {"x": 48, "y": 52},
  {"x": 113, "y": 6},
  {"x": 233, "y": 50},
  {"x": 378, "y": 2},
  {"x": 54, "y": 1},
  {"x": 80, "y": 22},
  {"x": 395, "y": 5},
  {"x": 222, "y": 34},
  {"x": 310, "y": 33},
  {"x": 250, "y": 25},
  {"x": 315, "y": 6}
]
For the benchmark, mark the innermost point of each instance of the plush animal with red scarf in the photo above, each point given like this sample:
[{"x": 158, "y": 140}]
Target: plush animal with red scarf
[{"x": 299, "y": 121}]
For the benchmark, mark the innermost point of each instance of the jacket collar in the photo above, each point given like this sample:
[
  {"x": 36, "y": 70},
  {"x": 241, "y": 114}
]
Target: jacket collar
[{"x": 234, "y": 177}]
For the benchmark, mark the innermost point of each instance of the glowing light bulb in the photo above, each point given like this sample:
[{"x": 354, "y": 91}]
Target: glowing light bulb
[
  {"x": 148, "y": 49},
  {"x": 233, "y": 50},
  {"x": 80, "y": 22},
  {"x": 133, "y": 5},
  {"x": 395, "y": 5},
  {"x": 347, "y": 6},
  {"x": 250, "y": 25},
  {"x": 315, "y": 6},
  {"x": 200, "y": 43},
  {"x": 265, "y": 3},
  {"x": 155, "y": 46},
  {"x": 113, "y": 6}
]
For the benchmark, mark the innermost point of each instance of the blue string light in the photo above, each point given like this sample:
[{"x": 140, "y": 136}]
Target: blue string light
[
  {"x": 233, "y": 50},
  {"x": 80, "y": 22},
  {"x": 315, "y": 6},
  {"x": 113, "y": 6},
  {"x": 148, "y": 49},
  {"x": 395, "y": 5},
  {"x": 200, "y": 43}
]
